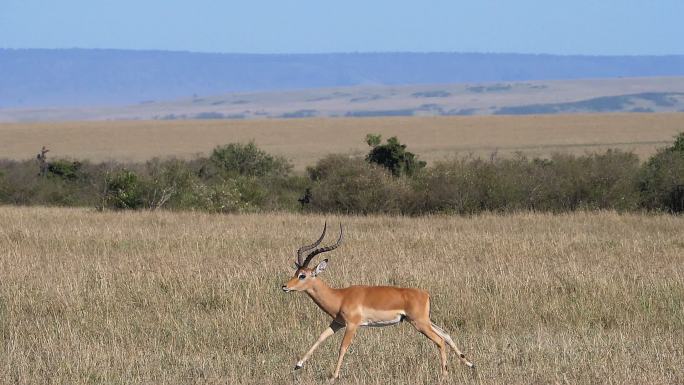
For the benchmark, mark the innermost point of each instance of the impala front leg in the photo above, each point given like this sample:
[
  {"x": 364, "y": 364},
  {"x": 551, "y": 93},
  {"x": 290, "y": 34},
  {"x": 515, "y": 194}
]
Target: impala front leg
[
  {"x": 330, "y": 330},
  {"x": 346, "y": 341}
]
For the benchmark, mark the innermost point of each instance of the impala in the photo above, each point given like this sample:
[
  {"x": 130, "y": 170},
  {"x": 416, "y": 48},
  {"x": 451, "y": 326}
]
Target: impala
[{"x": 356, "y": 306}]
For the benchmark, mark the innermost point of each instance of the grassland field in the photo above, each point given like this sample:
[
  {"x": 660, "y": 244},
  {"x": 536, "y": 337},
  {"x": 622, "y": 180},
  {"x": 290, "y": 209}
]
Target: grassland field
[
  {"x": 304, "y": 141},
  {"x": 189, "y": 298}
]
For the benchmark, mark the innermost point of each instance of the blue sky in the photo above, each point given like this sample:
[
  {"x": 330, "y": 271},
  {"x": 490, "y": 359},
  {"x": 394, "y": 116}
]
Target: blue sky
[{"x": 593, "y": 27}]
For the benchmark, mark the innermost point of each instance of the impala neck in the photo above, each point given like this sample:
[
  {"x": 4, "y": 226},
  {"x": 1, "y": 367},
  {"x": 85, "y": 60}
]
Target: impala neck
[{"x": 325, "y": 297}]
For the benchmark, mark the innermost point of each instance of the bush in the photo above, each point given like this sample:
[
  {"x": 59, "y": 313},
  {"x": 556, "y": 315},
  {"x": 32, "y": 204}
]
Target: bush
[
  {"x": 65, "y": 169},
  {"x": 347, "y": 185},
  {"x": 123, "y": 191},
  {"x": 393, "y": 156},
  {"x": 597, "y": 181},
  {"x": 467, "y": 186},
  {"x": 235, "y": 195},
  {"x": 66, "y": 186},
  {"x": 611, "y": 180},
  {"x": 562, "y": 183},
  {"x": 678, "y": 145},
  {"x": 283, "y": 193},
  {"x": 248, "y": 160},
  {"x": 243, "y": 178},
  {"x": 661, "y": 180},
  {"x": 170, "y": 183}
]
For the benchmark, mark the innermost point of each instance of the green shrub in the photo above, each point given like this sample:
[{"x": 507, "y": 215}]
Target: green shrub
[
  {"x": 611, "y": 180},
  {"x": 169, "y": 183},
  {"x": 3, "y": 188},
  {"x": 23, "y": 185},
  {"x": 562, "y": 183},
  {"x": 678, "y": 145},
  {"x": 65, "y": 169},
  {"x": 345, "y": 185},
  {"x": 467, "y": 186},
  {"x": 242, "y": 178},
  {"x": 236, "y": 195},
  {"x": 282, "y": 193},
  {"x": 393, "y": 156},
  {"x": 123, "y": 191},
  {"x": 248, "y": 160},
  {"x": 597, "y": 181},
  {"x": 661, "y": 179}
]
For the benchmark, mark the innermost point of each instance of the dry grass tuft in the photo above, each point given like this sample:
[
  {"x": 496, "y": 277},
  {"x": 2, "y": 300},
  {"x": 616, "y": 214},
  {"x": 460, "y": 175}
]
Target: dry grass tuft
[{"x": 178, "y": 298}]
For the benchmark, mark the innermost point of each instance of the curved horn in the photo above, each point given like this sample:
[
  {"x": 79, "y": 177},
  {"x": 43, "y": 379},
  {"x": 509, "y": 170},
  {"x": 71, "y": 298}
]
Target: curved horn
[
  {"x": 324, "y": 249},
  {"x": 301, "y": 250}
]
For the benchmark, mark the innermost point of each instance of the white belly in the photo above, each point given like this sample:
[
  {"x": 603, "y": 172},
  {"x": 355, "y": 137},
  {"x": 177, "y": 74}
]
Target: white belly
[{"x": 382, "y": 322}]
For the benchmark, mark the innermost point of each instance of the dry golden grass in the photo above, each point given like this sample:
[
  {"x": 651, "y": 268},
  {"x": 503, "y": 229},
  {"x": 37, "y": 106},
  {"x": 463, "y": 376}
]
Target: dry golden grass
[
  {"x": 305, "y": 141},
  {"x": 178, "y": 298}
]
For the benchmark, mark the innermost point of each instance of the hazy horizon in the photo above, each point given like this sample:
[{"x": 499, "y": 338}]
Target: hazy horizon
[
  {"x": 336, "y": 52},
  {"x": 71, "y": 77},
  {"x": 77, "y": 52},
  {"x": 583, "y": 27}
]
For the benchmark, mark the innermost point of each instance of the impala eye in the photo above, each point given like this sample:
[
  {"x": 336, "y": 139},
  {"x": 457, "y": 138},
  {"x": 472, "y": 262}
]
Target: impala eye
[{"x": 302, "y": 276}]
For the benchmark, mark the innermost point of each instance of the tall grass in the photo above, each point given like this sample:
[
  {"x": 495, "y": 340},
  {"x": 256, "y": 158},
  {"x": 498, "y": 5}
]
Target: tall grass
[{"x": 179, "y": 298}]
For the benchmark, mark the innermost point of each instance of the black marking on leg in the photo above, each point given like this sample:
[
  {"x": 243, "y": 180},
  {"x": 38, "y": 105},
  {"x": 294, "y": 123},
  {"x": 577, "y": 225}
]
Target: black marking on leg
[
  {"x": 297, "y": 367},
  {"x": 462, "y": 355}
]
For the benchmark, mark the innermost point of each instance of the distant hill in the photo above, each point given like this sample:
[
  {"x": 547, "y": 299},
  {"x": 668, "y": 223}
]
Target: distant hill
[
  {"x": 79, "y": 77},
  {"x": 498, "y": 98}
]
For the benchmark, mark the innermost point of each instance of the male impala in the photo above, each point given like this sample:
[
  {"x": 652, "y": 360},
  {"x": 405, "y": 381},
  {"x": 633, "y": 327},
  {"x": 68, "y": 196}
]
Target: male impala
[{"x": 357, "y": 306}]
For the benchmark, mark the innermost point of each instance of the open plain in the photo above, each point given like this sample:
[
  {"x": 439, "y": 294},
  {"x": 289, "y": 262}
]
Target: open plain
[
  {"x": 304, "y": 141},
  {"x": 181, "y": 298},
  {"x": 591, "y": 95}
]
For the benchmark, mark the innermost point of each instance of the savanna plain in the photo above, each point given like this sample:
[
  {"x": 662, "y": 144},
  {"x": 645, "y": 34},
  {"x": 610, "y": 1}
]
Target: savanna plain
[
  {"x": 179, "y": 298},
  {"x": 305, "y": 141}
]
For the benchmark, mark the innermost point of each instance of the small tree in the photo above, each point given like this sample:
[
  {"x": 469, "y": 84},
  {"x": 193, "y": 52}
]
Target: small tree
[
  {"x": 392, "y": 155},
  {"x": 248, "y": 160},
  {"x": 123, "y": 191},
  {"x": 64, "y": 169},
  {"x": 373, "y": 140},
  {"x": 354, "y": 186},
  {"x": 661, "y": 181},
  {"x": 678, "y": 145}
]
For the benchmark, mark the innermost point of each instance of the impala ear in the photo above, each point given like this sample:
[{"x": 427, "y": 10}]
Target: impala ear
[{"x": 321, "y": 266}]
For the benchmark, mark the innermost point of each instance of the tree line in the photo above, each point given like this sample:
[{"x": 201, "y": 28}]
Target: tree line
[{"x": 241, "y": 177}]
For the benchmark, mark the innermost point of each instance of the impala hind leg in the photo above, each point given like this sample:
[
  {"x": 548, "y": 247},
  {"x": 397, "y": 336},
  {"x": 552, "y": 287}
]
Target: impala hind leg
[
  {"x": 330, "y": 330},
  {"x": 426, "y": 329},
  {"x": 346, "y": 341},
  {"x": 450, "y": 342}
]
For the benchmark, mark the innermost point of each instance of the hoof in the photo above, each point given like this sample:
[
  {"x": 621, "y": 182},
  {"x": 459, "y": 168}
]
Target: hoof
[
  {"x": 297, "y": 367},
  {"x": 472, "y": 366}
]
